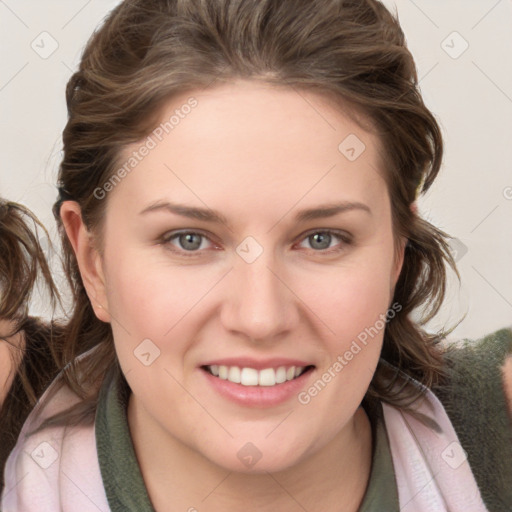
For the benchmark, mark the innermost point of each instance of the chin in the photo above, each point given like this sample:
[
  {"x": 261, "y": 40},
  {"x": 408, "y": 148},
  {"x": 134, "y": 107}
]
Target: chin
[{"x": 253, "y": 458}]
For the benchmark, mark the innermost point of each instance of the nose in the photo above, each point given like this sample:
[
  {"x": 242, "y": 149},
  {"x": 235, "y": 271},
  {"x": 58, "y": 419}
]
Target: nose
[{"x": 259, "y": 302}]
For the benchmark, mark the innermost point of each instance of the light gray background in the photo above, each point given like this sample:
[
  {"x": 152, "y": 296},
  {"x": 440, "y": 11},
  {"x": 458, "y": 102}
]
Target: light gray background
[{"x": 470, "y": 92}]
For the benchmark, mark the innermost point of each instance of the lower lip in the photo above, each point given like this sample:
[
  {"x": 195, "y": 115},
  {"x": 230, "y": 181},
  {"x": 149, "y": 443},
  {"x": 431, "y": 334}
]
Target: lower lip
[{"x": 258, "y": 396}]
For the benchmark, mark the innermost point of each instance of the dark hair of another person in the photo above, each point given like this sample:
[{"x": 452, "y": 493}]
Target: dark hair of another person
[{"x": 36, "y": 361}]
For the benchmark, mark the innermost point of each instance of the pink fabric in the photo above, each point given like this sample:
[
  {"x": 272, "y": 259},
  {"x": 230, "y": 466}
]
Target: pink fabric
[
  {"x": 431, "y": 468},
  {"x": 56, "y": 469}
]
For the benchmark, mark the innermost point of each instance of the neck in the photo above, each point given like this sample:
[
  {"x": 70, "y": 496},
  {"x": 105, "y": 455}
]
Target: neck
[{"x": 333, "y": 478}]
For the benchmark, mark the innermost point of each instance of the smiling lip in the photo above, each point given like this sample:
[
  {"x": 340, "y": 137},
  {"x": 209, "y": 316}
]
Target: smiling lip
[{"x": 258, "y": 396}]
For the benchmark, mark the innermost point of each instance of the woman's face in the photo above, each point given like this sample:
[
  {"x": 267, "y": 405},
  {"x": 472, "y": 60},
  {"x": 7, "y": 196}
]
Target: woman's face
[
  {"x": 8, "y": 357},
  {"x": 255, "y": 234}
]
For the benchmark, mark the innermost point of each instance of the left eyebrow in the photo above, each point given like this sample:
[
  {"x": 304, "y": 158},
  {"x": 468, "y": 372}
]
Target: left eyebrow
[{"x": 330, "y": 210}]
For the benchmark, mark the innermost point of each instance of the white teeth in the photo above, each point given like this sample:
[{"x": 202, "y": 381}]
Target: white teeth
[
  {"x": 223, "y": 372},
  {"x": 281, "y": 375},
  {"x": 249, "y": 377},
  {"x": 267, "y": 377},
  {"x": 252, "y": 377},
  {"x": 234, "y": 374}
]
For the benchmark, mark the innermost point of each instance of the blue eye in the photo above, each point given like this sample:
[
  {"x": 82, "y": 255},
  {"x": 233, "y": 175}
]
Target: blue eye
[
  {"x": 191, "y": 243},
  {"x": 320, "y": 241}
]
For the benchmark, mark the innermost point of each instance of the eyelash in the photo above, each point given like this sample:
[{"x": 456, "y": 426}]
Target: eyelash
[{"x": 345, "y": 238}]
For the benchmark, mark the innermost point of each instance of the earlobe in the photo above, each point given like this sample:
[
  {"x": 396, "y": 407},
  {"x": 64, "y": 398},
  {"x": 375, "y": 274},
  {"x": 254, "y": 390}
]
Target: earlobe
[{"x": 87, "y": 256}]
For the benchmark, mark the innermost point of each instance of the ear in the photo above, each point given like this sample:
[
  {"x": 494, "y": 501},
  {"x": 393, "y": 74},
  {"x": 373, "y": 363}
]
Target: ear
[
  {"x": 87, "y": 256},
  {"x": 399, "y": 259}
]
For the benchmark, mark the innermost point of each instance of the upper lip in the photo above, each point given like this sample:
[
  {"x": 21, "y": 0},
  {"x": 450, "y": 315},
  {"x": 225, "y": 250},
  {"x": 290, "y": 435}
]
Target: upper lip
[{"x": 247, "y": 362}]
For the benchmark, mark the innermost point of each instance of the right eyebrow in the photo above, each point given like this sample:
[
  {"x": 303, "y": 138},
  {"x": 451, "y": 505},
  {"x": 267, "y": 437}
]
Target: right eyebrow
[{"x": 192, "y": 212}]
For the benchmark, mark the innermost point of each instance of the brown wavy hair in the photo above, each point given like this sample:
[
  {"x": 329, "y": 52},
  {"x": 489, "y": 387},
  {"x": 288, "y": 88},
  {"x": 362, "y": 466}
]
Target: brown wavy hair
[
  {"x": 353, "y": 51},
  {"x": 36, "y": 360}
]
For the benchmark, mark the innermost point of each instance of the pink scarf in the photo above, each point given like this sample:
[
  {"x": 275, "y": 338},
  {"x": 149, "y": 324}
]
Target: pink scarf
[
  {"x": 431, "y": 468},
  {"x": 57, "y": 469}
]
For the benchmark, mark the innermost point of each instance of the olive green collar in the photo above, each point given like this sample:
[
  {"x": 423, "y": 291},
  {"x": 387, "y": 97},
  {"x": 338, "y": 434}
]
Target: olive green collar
[{"x": 122, "y": 479}]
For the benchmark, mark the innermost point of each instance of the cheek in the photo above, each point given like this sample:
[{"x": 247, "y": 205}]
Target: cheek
[
  {"x": 152, "y": 300},
  {"x": 350, "y": 299},
  {"x": 6, "y": 370},
  {"x": 352, "y": 304},
  {"x": 150, "y": 296},
  {"x": 148, "y": 306}
]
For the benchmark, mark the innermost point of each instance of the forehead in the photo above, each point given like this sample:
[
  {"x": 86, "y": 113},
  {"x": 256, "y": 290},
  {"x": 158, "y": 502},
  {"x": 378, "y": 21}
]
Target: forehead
[{"x": 255, "y": 139}]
